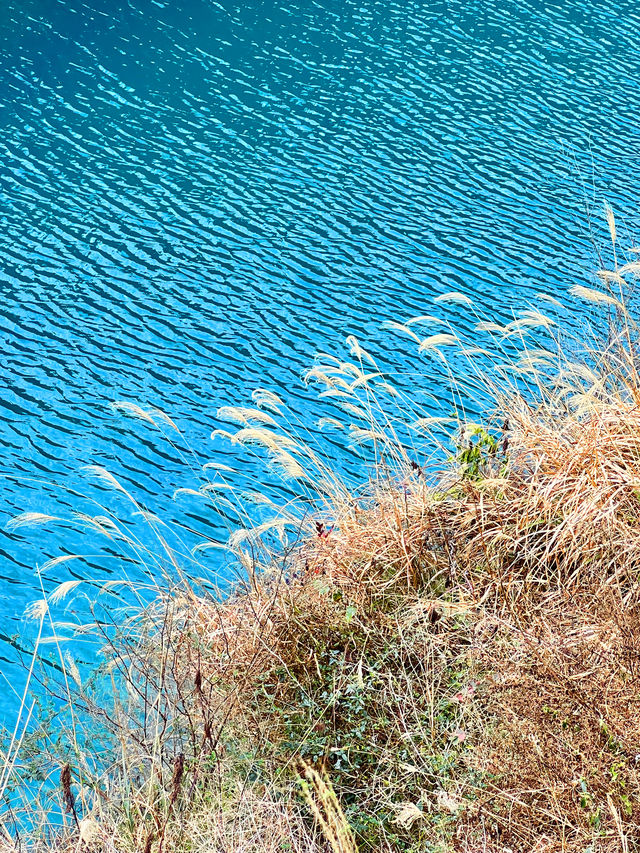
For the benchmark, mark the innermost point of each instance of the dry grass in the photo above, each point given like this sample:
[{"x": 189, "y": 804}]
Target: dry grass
[{"x": 448, "y": 660}]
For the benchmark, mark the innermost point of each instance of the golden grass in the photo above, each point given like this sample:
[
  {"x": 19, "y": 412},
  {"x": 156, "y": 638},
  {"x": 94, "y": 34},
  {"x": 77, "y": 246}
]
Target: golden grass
[{"x": 445, "y": 660}]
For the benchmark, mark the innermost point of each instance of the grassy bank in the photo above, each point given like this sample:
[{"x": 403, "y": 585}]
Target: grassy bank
[{"x": 444, "y": 660}]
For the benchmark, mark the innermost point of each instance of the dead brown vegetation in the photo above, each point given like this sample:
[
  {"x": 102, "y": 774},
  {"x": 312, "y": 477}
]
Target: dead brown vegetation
[{"x": 440, "y": 663}]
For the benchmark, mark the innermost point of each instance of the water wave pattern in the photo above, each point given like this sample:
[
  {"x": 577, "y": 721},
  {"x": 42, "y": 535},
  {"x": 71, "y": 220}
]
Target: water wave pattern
[{"x": 195, "y": 196}]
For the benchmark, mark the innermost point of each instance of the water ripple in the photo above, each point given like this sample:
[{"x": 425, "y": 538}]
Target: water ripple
[{"x": 195, "y": 196}]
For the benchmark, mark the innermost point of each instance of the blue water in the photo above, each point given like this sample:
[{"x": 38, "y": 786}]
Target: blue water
[{"x": 195, "y": 196}]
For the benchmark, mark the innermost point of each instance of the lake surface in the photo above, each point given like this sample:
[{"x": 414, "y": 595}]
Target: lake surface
[{"x": 196, "y": 196}]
